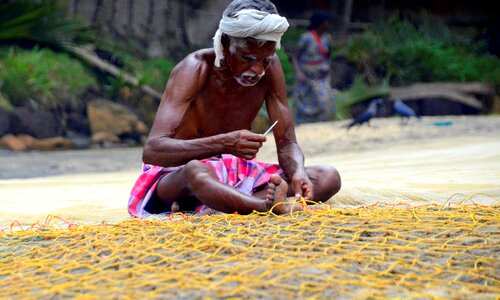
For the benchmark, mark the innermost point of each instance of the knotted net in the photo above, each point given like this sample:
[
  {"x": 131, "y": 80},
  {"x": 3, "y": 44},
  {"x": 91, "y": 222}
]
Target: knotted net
[{"x": 377, "y": 251}]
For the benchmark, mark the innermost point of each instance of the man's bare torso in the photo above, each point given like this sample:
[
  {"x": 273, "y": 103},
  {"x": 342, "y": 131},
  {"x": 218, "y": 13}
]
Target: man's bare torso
[{"x": 222, "y": 105}]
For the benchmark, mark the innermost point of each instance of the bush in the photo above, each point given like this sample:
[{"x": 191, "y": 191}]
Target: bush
[
  {"x": 152, "y": 72},
  {"x": 52, "y": 80},
  {"x": 155, "y": 73},
  {"x": 287, "y": 67},
  {"x": 40, "y": 22},
  {"x": 424, "y": 50},
  {"x": 436, "y": 61}
]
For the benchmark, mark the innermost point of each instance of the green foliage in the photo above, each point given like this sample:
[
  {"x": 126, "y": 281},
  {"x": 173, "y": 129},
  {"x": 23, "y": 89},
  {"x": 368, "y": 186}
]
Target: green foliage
[
  {"x": 152, "y": 72},
  {"x": 425, "y": 50},
  {"x": 155, "y": 73},
  {"x": 4, "y": 102},
  {"x": 367, "y": 51},
  {"x": 287, "y": 67},
  {"x": 42, "y": 22},
  {"x": 358, "y": 92},
  {"x": 291, "y": 36},
  {"x": 52, "y": 80},
  {"x": 435, "y": 61}
]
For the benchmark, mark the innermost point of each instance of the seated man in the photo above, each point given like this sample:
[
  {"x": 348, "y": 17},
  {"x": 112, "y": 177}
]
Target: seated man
[{"x": 200, "y": 154}]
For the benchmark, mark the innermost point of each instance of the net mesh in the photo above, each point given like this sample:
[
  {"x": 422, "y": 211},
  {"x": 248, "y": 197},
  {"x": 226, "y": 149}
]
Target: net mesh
[{"x": 377, "y": 251}]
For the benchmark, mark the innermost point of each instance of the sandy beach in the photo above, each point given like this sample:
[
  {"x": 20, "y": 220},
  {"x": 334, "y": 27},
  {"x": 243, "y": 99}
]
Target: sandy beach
[{"x": 434, "y": 160}]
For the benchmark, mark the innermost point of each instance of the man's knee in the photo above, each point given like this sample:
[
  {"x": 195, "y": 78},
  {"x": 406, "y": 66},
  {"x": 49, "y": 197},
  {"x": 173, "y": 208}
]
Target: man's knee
[
  {"x": 328, "y": 181},
  {"x": 196, "y": 172},
  {"x": 336, "y": 180}
]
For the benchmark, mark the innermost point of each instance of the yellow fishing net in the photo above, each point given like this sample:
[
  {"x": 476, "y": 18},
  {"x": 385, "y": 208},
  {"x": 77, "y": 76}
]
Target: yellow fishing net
[{"x": 378, "y": 251}]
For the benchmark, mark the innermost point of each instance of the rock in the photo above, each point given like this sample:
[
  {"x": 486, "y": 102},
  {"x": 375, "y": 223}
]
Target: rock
[
  {"x": 114, "y": 119},
  {"x": 343, "y": 73},
  {"x": 4, "y": 121},
  {"x": 39, "y": 124},
  {"x": 104, "y": 138},
  {"x": 53, "y": 143},
  {"x": 76, "y": 121},
  {"x": 25, "y": 142},
  {"x": 13, "y": 143},
  {"x": 28, "y": 140}
]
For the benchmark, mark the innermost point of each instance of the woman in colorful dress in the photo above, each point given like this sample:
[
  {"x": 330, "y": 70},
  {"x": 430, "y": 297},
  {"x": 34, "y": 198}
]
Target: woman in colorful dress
[{"x": 313, "y": 99}]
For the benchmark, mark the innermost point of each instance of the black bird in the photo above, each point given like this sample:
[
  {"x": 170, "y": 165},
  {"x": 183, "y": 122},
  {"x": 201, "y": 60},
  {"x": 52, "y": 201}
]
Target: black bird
[
  {"x": 404, "y": 111},
  {"x": 367, "y": 115}
]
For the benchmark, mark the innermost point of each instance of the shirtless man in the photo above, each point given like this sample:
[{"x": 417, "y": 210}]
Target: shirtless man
[{"x": 200, "y": 152}]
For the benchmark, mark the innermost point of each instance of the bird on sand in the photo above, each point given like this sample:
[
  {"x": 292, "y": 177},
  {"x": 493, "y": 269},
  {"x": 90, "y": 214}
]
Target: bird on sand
[
  {"x": 367, "y": 115},
  {"x": 404, "y": 111}
]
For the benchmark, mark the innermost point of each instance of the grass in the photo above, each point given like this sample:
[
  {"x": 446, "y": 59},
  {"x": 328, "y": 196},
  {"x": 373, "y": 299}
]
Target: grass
[
  {"x": 419, "y": 49},
  {"x": 42, "y": 77}
]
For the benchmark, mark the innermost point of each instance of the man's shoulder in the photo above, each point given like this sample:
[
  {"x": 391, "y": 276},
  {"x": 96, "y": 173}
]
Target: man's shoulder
[
  {"x": 201, "y": 57},
  {"x": 198, "y": 64}
]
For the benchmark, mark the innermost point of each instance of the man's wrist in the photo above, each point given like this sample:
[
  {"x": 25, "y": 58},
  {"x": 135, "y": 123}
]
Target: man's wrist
[{"x": 220, "y": 142}]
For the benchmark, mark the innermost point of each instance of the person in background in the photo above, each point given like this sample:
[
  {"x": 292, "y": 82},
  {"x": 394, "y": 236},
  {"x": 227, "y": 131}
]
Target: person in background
[{"x": 313, "y": 99}]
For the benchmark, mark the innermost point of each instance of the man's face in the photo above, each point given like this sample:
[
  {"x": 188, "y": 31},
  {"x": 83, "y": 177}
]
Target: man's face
[{"x": 249, "y": 59}]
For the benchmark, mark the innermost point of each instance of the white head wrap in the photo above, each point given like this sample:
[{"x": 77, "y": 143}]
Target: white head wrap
[{"x": 250, "y": 23}]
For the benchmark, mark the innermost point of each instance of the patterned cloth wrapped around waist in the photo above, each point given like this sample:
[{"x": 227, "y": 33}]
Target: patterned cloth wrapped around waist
[{"x": 245, "y": 175}]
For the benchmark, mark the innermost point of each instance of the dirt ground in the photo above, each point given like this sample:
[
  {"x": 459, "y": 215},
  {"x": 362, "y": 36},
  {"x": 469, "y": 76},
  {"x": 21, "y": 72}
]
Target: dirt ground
[{"x": 427, "y": 160}]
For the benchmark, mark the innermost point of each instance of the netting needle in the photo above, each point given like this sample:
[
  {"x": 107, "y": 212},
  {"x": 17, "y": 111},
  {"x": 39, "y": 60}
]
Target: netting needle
[{"x": 270, "y": 128}]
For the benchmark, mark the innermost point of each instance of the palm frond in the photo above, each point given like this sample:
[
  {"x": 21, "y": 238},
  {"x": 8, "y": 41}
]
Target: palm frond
[{"x": 39, "y": 21}]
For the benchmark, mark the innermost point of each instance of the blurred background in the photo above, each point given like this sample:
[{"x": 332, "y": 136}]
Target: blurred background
[{"x": 90, "y": 73}]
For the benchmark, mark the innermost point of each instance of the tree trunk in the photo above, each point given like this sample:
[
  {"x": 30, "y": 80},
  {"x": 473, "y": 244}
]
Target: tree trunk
[
  {"x": 463, "y": 93},
  {"x": 346, "y": 18}
]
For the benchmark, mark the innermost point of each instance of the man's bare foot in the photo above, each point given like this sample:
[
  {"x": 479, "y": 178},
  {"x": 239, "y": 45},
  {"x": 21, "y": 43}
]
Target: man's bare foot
[
  {"x": 276, "y": 192},
  {"x": 175, "y": 207}
]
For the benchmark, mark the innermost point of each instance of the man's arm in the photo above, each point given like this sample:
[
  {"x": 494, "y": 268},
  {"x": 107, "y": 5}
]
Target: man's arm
[
  {"x": 290, "y": 156},
  {"x": 183, "y": 85},
  {"x": 162, "y": 149}
]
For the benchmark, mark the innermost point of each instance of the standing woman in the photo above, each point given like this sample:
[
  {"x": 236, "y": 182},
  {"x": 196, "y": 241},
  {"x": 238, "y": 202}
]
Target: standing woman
[{"x": 313, "y": 99}]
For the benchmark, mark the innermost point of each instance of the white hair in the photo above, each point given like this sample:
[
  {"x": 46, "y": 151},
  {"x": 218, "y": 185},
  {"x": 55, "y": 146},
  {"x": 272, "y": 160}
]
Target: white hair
[{"x": 252, "y": 23}]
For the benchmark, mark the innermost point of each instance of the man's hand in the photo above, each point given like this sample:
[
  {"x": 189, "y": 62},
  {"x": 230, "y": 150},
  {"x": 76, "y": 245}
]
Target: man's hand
[
  {"x": 302, "y": 185},
  {"x": 243, "y": 143}
]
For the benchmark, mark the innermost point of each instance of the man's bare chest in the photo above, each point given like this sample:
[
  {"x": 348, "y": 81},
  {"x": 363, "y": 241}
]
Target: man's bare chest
[
  {"x": 213, "y": 113},
  {"x": 234, "y": 101}
]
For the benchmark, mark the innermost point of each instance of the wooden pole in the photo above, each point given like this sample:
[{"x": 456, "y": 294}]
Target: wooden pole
[{"x": 93, "y": 60}]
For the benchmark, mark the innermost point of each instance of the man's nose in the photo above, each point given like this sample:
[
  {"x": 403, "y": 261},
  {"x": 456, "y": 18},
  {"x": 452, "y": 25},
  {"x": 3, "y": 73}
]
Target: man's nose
[{"x": 257, "y": 67}]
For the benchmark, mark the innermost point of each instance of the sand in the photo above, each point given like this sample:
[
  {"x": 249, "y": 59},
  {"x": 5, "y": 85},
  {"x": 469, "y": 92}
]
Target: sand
[{"x": 434, "y": 160}]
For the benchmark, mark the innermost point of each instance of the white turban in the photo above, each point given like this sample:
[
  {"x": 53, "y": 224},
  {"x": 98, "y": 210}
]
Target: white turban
[{"x": 250, "y": 23}]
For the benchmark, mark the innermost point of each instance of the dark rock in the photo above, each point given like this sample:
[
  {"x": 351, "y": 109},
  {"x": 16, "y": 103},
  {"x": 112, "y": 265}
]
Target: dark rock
[
  {"x": 343, "y": 73},
  {"x": 77, "y": 122},
  {"x": 39, "y": 124},
  {"x": 4, "y": 121}
]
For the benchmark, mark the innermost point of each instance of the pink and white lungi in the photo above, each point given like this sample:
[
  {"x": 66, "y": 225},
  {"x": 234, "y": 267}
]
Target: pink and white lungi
[{"x": 245, "y": 175}]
